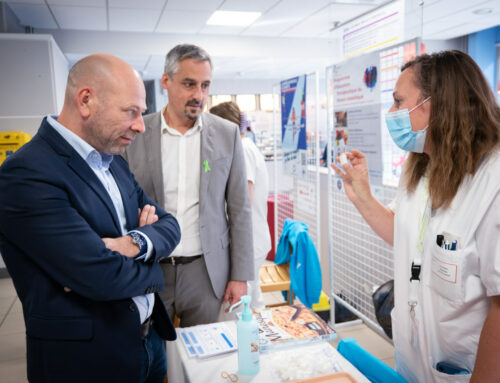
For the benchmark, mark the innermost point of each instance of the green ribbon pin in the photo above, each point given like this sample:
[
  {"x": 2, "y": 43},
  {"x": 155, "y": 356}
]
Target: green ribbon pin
[{"x": 206, "y": 166}]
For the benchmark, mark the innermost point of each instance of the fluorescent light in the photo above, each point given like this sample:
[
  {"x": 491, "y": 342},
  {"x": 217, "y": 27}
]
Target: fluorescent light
[{"x": 232, "y": 18}]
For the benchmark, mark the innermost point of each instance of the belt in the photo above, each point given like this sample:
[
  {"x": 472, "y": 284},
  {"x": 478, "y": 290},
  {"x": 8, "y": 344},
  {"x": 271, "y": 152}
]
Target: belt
[
  {"x": 146, "y": 326},
  {"x": 180, "y": 260}
]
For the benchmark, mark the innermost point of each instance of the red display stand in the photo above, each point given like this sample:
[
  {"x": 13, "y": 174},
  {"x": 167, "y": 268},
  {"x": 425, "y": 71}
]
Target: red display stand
[{"x": 285, "y": 211}]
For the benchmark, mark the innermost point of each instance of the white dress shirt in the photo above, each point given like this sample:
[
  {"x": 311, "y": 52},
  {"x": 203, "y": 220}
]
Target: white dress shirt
[
  {"x": 99, "y": 163},
  {"x": 180, "y": 156}
]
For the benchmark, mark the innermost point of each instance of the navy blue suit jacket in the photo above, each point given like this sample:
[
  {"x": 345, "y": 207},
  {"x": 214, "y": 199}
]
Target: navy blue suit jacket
[{"x": 53, "y": 213}]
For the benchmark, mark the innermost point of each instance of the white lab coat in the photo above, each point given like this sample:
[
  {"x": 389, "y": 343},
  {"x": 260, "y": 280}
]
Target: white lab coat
[{"x": 455, "y": 286}]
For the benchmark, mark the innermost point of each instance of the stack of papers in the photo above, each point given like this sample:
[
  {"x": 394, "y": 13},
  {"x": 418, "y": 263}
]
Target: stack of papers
[{"x": 207, "y": 340}]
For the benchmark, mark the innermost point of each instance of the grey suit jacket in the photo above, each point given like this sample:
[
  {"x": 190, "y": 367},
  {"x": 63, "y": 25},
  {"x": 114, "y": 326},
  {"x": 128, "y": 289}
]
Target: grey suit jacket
[{"x": 226, "y": 239}]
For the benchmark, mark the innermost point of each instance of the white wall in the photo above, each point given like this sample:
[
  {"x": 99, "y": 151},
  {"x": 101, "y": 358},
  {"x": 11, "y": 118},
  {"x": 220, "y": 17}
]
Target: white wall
[{"x": 32, "y": 80}]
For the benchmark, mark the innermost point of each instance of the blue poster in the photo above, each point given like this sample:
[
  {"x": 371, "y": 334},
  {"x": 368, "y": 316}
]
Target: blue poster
[{"x": 293, "y": 113}]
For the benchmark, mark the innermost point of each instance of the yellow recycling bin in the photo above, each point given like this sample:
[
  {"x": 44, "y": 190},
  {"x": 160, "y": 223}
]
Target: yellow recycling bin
[
  {"x": 10, "y": 142},
  {"x": 322, "y": 308}
]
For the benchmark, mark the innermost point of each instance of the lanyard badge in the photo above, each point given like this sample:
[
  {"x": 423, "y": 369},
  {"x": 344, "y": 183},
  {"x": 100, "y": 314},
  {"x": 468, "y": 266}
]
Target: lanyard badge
[{"x": 416, "y": 263}]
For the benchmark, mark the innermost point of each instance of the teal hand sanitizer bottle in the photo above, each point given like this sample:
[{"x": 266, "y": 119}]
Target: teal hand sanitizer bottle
[{"x": 248, "y": 340}]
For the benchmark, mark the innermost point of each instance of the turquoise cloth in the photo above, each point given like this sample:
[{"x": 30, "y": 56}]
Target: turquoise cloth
[
  {"x": 373, "y": 368},
  {"x": 305, "y": 269}
]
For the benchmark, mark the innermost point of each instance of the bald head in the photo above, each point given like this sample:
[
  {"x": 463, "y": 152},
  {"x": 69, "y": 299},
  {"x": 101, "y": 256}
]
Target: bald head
[
  {"x": 101, "y": 72},
  {"x": 104, "y": 101}
]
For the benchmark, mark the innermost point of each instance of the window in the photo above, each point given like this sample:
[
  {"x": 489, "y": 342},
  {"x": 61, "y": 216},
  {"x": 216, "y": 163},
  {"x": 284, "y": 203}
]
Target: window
[
  {"x": 266, "y": 102},
  {"x": 246, "y": 102},
  {"x": 220, "y": 98}
]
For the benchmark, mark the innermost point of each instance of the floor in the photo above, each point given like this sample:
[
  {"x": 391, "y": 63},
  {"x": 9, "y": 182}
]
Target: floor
[{"x": 13, "y": 348}]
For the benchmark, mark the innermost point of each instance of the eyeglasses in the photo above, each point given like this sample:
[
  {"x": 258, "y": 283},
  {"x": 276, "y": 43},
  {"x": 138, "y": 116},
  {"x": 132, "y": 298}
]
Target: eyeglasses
[{"x": 227, "y": 376}]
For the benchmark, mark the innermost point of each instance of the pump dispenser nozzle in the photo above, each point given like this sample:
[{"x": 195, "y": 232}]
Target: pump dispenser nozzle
[{"x": 247, "y": 313}]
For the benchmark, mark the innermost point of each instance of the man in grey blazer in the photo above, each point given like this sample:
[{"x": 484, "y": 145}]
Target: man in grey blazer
[{"x": 192, "y": 164}]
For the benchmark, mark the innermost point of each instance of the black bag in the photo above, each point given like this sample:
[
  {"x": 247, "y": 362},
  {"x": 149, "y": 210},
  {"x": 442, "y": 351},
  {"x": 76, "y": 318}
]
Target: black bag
[{"x": 383, "y": 300}]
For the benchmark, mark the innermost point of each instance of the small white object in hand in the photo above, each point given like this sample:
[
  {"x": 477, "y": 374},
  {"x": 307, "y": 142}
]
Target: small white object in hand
[{"x": 343, "y": 159}]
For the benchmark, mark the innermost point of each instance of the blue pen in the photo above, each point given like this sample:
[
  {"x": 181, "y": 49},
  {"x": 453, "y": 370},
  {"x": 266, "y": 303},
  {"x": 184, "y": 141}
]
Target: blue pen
[{"x": 454, "y": 245}]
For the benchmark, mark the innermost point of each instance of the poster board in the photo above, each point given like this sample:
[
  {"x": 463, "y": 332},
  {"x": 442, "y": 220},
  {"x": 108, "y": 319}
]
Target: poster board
[
  {"x": 293, "y": 113},
  {"x": 360, "y": 94}
]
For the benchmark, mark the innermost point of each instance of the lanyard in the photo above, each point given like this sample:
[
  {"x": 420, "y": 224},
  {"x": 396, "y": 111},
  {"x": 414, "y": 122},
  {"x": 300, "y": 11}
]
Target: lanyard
[{"x": 416, "y": 264}]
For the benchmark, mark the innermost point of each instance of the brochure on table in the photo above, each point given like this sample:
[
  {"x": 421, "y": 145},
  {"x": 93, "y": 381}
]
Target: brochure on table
[{"x": 207, "y": 340}]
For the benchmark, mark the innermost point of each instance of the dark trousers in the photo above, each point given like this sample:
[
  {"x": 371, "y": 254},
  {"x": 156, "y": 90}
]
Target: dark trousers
[{"x": 154, "y": 358}]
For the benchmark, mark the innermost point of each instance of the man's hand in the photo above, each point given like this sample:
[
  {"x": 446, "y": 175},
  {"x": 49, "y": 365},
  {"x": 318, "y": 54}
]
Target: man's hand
[
  {"x": 147, "y": 216},
  {"x": 123, "y": 245},
  {"x": 234, "y": 291}
]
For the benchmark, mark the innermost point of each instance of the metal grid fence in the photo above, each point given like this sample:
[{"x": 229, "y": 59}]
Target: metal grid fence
[{"x": 361, "y": 260}]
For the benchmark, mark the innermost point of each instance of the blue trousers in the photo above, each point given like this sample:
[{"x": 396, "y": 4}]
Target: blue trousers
[{"x": 154, "y": 359}]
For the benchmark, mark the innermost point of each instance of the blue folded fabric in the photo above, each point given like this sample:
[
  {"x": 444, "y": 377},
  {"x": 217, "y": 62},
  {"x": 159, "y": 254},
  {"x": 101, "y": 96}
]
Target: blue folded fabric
[
  {"x": 305, "y": 269},
  {"x": 373, "y": 368}
]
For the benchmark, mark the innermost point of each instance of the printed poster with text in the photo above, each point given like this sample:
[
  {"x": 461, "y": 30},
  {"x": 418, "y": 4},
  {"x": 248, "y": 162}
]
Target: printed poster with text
[
  {"x": 293, "y": 113},
  {"x": 356, "y": 94}
]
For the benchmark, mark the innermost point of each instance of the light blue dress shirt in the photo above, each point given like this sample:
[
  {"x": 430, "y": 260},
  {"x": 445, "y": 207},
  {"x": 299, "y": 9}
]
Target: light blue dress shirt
[{"x": 99, "y": 163}]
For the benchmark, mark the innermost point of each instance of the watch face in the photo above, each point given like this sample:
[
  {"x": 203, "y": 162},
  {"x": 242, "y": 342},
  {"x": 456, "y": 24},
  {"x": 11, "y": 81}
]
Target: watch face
[{"x": 140, "y": 241}]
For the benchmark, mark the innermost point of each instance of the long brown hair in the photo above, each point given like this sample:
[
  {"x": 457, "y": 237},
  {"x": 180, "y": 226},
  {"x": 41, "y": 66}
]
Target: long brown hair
[
  {"x": 464, "y": 123},
  {"x": 228, "y": 110}
]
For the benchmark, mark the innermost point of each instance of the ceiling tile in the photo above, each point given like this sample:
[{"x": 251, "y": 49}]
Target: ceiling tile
[
  {"x": 81, "y": 18},
  {"x": 448, "y": 9},
  {"x": 320, "y": 23},
  {"x": 183, "y": 21},
  {"x": 78, "y": 3},
  {"x": 221, "y": 30},
  {"x": 34, "y": 15},
  {"x": 25, "y": 2},
  {"x": 142, "y": 4},
  {"x": 133, "y": 20},
  {"x": 248, "y": 6},
  {"x": 194, "y": 5},
  {"x": 283, "y": 16}
]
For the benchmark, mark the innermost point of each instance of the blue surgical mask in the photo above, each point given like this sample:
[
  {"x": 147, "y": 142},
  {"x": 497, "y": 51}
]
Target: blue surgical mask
[{"x": 404, "y": 137}]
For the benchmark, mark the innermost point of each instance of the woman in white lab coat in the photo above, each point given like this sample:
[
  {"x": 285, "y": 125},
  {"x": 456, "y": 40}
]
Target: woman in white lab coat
[{"x": 445, "y": 221}]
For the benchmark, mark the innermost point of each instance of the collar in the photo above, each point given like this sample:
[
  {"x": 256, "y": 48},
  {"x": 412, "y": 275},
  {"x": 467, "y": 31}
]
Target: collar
[
  {"x": 83, "y": 148},
  {"x": 197, "y": 127}
]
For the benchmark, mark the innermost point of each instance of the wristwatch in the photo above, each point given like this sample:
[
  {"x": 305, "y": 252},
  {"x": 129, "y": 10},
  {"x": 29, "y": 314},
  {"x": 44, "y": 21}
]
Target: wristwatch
[{"x": 140, "y": 241}]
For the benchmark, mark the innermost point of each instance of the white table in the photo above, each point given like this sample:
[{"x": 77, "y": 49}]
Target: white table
[{"x": 182, "y": 369}]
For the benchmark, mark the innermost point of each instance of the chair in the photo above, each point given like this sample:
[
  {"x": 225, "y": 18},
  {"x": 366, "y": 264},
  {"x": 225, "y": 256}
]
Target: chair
[
  {"x": 370, "y": 366},
  {"x": 276, "y": 278}
]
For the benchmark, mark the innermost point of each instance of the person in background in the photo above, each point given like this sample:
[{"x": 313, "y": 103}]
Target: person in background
[
  {"x": 246, "y": 128},
  {"x": 192, "y": 163},
  {"x": 445, "y": 221},
  {"x": 82, "y": 240},
  {"x": 258, "y": 189}
]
